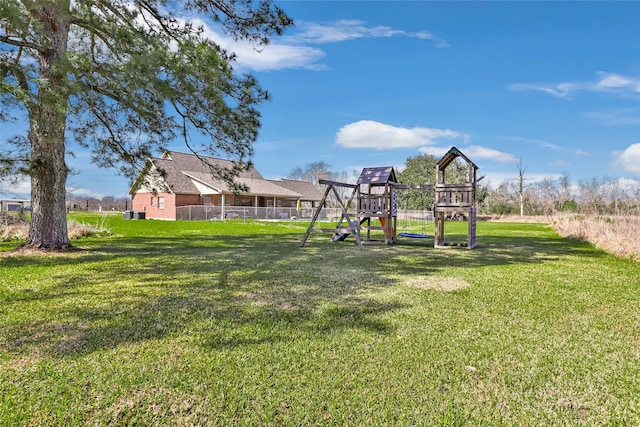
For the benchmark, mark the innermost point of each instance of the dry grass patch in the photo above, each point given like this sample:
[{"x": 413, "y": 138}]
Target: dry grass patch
[
  {"x": 14, "y": 231},
  {"x": 18, "y": 231},
  {"x": 536, "y": 219},
  {"x": 618, "y": 235},
  {"x": 446, "y": 284}
]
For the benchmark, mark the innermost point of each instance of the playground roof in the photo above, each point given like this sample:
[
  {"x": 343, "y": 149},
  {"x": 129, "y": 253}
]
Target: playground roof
[
  {"x": 450, "y": 156},
  {"x": 380, "y": 175}
]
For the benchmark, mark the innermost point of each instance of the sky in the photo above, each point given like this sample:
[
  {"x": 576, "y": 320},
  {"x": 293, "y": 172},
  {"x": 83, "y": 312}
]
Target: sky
[{"x": 554, "y": 85}]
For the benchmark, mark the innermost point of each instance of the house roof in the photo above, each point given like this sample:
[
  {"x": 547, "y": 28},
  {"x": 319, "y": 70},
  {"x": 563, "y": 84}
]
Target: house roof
[
  {"x": 188, "y": 174},
  {"x": 307, "y": 189},
  {"x": 257, "y": 187}
]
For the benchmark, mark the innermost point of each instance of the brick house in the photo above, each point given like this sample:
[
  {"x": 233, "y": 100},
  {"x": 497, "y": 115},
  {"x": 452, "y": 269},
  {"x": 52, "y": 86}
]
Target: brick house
[{"x": 177, "y": 180}]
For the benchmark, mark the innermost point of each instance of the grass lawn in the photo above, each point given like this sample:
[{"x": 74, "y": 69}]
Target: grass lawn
[{"x": 227, "y": 323}]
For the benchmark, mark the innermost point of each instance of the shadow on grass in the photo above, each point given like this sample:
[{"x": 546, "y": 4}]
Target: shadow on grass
[{"x": 224, "y": 291}]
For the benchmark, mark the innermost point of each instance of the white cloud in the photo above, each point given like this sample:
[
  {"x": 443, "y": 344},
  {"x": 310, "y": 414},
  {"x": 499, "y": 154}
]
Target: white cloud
[
  {"x": 274, "y": 56},
  {"x": 495, "y": 178},
  {"x": 478, "y": 152},
  {"x": 629, "y": 159},
  {"x": 541, "y": 143},
  {"x": 83, "y": 192},
  {"x": 630, "y": 186},
  {"x": 559, "y": 163},
  {"x": 344, "y": 30},
  {"x": 369, "y": 134},
  {"x": 581, "y": 153},
  {"x": 606, "y": 82},
  {"x": 294, "y": 51},
  {"x": 618, "y": 117},
  {"x": 616, "y": 81},
  {"x": 474, "y": 152},
  {"x": 287, "y": 51},
  {"x": 21, "y": 188},
  {"x": 277, "y": 56},
  {"x": 434, "y": 151},
  {"x": 380, "y": 136},
  {"x": 561, "y": 90}
]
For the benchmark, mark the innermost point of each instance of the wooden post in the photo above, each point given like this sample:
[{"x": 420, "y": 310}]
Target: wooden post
[{"x": 315, "y": 216}]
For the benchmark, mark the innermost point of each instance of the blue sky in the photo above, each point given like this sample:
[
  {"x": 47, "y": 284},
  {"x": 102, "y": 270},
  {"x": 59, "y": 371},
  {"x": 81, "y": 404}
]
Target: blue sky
[{"x": 370, "y": 83}]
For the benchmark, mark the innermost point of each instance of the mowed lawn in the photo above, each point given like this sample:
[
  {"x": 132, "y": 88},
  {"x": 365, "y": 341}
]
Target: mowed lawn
[{"x": 227, "y": 323}]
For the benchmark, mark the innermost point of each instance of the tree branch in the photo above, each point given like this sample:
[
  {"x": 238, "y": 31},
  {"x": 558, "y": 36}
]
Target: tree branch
[{"x": 20, "y": 43}]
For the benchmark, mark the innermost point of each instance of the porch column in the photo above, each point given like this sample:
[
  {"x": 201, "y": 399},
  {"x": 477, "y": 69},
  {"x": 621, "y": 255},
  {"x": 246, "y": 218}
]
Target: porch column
[
  {"x": 255, "y": 206},
  {"x": 222, "y": 201}
]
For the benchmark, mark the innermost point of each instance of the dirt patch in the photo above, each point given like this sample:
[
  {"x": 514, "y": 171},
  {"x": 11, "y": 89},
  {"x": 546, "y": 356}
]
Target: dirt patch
[
  {"x": 278, "y": 302},
  {"x": 24, "y": 250},
  {"x": 436, "y": 283}
]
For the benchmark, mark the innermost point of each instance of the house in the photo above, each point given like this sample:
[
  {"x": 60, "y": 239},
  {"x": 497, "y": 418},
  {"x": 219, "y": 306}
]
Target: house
[
  {"x": 14, "y": 205},
  {"x": 181, "y": 186}
]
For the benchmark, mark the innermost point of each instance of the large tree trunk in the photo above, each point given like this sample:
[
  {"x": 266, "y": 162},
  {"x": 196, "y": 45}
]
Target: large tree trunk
[
  {"x": 48, "y": 116},
  {"x": 48, "y": 229}
]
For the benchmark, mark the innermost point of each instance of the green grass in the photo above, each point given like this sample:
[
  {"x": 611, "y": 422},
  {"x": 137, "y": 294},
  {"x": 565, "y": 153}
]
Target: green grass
[{"x": 226, "y": 323}]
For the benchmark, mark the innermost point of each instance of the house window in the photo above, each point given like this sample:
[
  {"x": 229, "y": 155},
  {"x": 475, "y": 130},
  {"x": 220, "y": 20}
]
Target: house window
[
  {"x": 207, "y": 200},
  {"x": 246, "y": 202},
  {"x": 152, "y": 199},
  {"x": 160, "y": 202}
]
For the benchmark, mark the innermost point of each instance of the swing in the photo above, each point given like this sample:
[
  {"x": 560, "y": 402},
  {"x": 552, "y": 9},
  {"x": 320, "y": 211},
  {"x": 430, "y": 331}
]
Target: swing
[
  {"x": 415, "y": 235},
  {"x": 409, "y": 223}
]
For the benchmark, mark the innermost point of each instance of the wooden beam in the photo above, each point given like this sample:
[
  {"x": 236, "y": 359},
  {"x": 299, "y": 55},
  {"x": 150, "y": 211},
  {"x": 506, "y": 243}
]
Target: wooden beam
[
  {"x": 315, "y": 216},
  {"x": 336, "y": 183}
]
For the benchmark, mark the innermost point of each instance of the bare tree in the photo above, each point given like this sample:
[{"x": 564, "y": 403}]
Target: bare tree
[
  {"x": 521, "y": 170},
  {"x": 312, "y": 172}
]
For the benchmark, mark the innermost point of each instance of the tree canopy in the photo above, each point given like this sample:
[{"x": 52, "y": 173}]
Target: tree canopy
[
  {"x": 123, "y": 79},
  {"x": 421, "y": 170}
]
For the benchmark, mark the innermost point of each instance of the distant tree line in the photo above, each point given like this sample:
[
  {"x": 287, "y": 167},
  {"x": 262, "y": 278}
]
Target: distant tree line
[
  {"x": 604, "y": 196},
  {"x": 596, "y": 196},
  {"x": 108, "y": 203}
]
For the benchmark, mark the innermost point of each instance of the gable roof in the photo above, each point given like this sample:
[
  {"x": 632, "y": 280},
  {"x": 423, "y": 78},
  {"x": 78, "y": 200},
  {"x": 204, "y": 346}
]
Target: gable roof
[
  {"x": 451, "y": 155},
  {"x": 379, "y": 175},
  {"x": 257, "y": 187},
  {"x": 306, "y": 189},
  {"x": 187, "y": 174}
]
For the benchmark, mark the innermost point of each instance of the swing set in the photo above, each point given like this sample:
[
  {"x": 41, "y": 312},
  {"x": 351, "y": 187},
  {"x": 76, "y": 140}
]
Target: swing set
[{"x": 375, "y": 197}]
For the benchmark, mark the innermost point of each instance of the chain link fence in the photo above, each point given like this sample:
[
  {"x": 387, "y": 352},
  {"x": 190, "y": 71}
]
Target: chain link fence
[{"x": 209, "y": 212}]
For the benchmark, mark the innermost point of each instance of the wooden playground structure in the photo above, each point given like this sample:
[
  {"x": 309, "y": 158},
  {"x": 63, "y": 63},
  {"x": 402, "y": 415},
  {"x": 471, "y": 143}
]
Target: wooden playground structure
[
  {"x": 454, "y": 199},
  {"x": 375, "y": 197}
]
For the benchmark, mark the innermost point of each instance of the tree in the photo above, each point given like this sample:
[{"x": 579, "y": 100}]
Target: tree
[
  {"x": 315, "y": 171},
  {"x": 421, "y": 170},
  {"x": 521, "y": 171},
  {"x": 312, "y": 172},
  {"x": 501, "y": 201},
  {"x": 123, "y": 78}
]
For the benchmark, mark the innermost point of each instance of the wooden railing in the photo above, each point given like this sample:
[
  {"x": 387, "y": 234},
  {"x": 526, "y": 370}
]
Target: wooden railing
[
  {"x": 372, "y": 203},
  {"x": 454, "y": 195}
]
